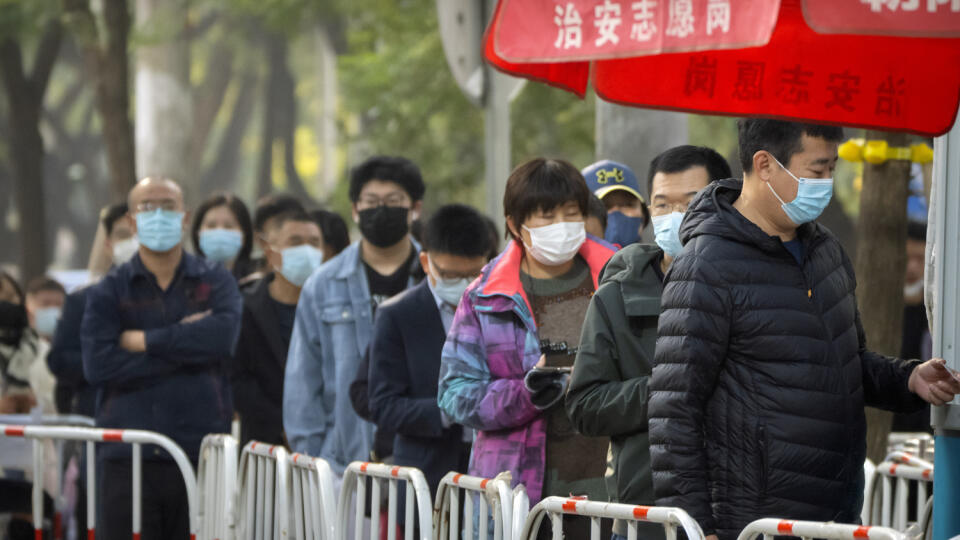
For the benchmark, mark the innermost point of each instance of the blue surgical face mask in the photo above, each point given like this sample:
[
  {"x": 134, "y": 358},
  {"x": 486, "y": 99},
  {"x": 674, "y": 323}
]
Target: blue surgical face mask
[
  {"x": 299, "y": 262},
  {"x": 622, "y": 229},
  {"x": 160, "y": 230},
  {"x": 451, "y": 290},
  {"x": 667, "y": 230},
  {"x": 220, "y": 245},
  {"x": 46, "y": 320},
  {"x": 813, "y": 196}
]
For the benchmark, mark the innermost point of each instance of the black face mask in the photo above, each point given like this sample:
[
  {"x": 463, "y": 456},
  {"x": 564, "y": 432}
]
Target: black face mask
[
  {"x": 13, "y": 320},
  {"x": 384, "y": 226}
]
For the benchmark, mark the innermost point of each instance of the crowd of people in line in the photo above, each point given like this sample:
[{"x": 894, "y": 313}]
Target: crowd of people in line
[{"x": 722, "y": 369}]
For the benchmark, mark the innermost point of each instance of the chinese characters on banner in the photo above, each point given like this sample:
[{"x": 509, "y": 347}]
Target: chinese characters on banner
[
  {"x": 933, "y": 18},
  {"x": 565, "y": 30}
]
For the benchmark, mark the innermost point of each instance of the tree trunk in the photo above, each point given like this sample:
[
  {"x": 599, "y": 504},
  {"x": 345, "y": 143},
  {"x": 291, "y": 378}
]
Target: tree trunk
[
  {"x": 164, "y": 106},
  {"x": 880, "y": 267},
  {"x": 222, "y": 174},
  {"x": 25, "y": 93}
]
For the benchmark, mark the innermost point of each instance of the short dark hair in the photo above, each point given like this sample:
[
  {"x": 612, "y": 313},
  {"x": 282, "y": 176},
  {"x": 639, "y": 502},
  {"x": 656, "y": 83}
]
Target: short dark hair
[
  {"x": 111, "y": 214},
  {"x": 239, "y": 211},
  {"x": 396, "y": 169},
  {"x": 494, "y": 237},
  {"x": 45, "y": 283},
  {"x": 543, "y": 184},
  {"x": 6, "y": 276},
  {"x": 917, "y": 231},
  {"x": 333, "y": 228},
  {"x": 457, "y": 229},
  {"x": 779, "y": 137},
  {"x": 597, "y": 209},
  {"x": 272, "y": 205},
  {"x": 681, "y": 158}
]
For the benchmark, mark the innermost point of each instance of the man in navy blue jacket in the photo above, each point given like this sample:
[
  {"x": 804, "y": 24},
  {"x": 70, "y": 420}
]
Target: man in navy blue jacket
[
  {"x": 157, "y": 334},
  {"x": 408, "y": 337}
]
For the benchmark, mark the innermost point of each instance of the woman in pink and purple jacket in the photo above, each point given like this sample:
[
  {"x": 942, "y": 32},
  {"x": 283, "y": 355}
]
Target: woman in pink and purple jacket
[{"x": 514, "y": 337}]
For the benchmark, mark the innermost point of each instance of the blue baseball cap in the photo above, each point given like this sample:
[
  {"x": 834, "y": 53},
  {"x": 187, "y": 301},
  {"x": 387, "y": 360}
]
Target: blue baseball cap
[{"x": 606, "y": 176}]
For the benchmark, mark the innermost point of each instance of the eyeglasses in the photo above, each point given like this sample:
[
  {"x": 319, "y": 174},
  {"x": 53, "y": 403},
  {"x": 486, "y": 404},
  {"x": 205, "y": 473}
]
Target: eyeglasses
[
  {"x": 662, "y": 208},
  {"x": 393, "y": 200},
  {"x": 150, "y": 206}
]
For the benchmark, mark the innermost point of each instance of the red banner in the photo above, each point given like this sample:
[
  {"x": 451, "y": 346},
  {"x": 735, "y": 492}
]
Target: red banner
[
  {"x": 567, "y": 30},
  {"x": 920, "y": 18}
]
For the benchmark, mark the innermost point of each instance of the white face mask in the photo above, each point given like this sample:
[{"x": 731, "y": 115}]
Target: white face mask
[
  {"x": 557, "y": 243},
  {"x": 124, "y": 250}
]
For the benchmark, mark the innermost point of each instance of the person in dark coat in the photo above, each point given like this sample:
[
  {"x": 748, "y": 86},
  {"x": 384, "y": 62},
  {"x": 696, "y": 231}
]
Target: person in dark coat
[
  {"x": 608, "y": 393},
  {"x": 269, "y": 309},
  {"x": 762, "y": 370},
  {"x": 408, "y": 337}
]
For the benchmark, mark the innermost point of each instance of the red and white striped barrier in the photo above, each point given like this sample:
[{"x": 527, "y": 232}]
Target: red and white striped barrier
[
  {"x": 314, "y": 500},
  {"x": 492, "y": 494},
  {"x": 135, "y": 438},
  {"x": 264, "y": 505},
  {"x": 770, "y": 527},
  {"x": 556, "y": 507},
  {"x": 217, "y": 480},
  {"x": 353, "y": 494},
  {"x": 57, "y": 468},
  {"x": 895, "y": 481}
]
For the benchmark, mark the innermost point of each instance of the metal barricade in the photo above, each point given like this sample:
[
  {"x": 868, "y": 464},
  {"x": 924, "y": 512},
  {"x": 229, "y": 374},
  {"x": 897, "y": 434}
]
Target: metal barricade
[
  {"x": 314, "y": 499},
  {"x": 263, "y": 509},
  {"x": 556, "y": 507},
  {"x": 495, "y": 504},
  {"x": 217, "y": 482},
  {"x": 894, "y": 482},
  {"x": 74, "y": 420},
  {"x": 771, "y": 527},
  {"x": 920, "y": 444},
  {"x": 134, "y": 437},
  {"x": 521, "y": 508},
  {"x": 417, "y": 499}
]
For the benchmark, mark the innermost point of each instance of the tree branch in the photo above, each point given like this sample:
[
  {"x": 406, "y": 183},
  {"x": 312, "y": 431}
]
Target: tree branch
[{"x": 46, "y": 56}]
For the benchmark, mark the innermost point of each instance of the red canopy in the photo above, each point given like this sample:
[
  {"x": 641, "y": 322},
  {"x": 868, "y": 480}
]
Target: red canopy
[{"x": 882, "y": 82}]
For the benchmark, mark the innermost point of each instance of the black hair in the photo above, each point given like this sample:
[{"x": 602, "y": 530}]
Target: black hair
[
  {"x": 494, "y": 237},
  {"x": 45, "y": 283},
  {"x": 681, "y": 158},
  {"x": 543, "y": 184},
  {"x": 6, "y": 276},
  {"x": 241, "y": 214},
  {"x": 111, "y": 214},
  {"x": 917, "y": 231},
  {"x": 780, "y": 138},
  {"x": 457, "y": 229},
  {"x": 597, "y": 209},
  {"x": 398, "y": 170},
  {"x": 270, "y": 206},
  {"x": 333, "y": 228}
]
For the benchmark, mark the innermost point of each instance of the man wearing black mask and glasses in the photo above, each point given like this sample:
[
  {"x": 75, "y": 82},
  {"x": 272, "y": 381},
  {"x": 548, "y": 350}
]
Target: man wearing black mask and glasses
[{"x": 334, "y": 319}]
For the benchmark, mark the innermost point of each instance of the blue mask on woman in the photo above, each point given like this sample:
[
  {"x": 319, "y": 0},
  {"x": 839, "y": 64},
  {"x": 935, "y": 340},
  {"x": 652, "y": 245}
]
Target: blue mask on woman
[
  {"x": 622, "y": 229},
  {"x": 220, "y": 245},
  {"x": 813, "y": 196},
  {"x": 299, "y": 262},
  {"x": 159, "y": 230},
  {"x": 667, "y": 230}
]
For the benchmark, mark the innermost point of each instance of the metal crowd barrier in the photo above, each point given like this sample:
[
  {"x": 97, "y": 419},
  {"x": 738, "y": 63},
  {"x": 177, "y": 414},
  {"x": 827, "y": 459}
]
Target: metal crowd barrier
[
  {"x": 894, "y": 481},
  {"x": 494, "y": 494},
  {"x": 355, "y": 483},
  {"x": 314, "y": 501},
  {"x": 136, "y": 438},
  {"x": 264, "y": 505},
  {"x": 771, "y": 527},
  {"x": 217, "y": 482},
  {"x": 920, "y": 444},
  {"x": 74, "y": 420},
  {"x": 556, "y": 507},
  {"x": 521, "y": 508}
]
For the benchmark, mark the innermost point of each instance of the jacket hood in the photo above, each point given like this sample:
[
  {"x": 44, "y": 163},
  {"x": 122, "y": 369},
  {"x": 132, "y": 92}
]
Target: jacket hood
[
  {"x": 712, "y": 213},
  {"x": 628, "y": 264},
  {"x": 633, "y": 268}
]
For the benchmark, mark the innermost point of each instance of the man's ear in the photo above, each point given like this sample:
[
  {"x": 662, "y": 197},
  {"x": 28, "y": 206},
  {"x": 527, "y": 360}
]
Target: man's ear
[
  {"x": 763, "y": 164},
  {"x": 425, "y": 261},
  {"x": 513, "y": 229},
  {"x": 415, "y": 211},
  {"x": 186, "y": 219},
  {"x": 132, "y": 221},
  {"x": 355, "y": 213}
]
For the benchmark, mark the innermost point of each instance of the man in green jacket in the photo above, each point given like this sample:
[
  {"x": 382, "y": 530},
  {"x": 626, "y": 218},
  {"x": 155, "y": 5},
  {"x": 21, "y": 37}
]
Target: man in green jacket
[{"x": 607, "y": 394}]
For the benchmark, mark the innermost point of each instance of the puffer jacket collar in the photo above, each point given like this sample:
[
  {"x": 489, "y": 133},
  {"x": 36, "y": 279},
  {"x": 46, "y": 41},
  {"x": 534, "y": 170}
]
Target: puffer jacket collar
[{"x": 711, "y": 212}]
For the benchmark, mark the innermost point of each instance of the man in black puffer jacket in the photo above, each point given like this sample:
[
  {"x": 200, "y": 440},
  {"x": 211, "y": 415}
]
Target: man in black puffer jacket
[{"x": 761, "y": 370}]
